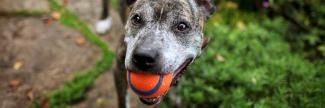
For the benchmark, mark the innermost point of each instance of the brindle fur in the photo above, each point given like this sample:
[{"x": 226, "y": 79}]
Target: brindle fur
[{"x": 157, "y": 34}]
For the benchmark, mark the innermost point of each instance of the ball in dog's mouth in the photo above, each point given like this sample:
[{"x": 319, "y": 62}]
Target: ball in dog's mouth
[
  {"x": 149, "y": 86},
  {"x": 155, "y": 99}
]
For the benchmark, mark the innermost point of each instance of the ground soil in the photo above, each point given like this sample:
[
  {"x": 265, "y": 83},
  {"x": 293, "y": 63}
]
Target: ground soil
[{"x": 41, "y": 56}]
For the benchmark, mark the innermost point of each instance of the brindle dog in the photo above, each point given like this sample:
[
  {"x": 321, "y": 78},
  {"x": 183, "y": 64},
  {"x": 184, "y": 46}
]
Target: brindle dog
[{"x": 161, "y": 36}]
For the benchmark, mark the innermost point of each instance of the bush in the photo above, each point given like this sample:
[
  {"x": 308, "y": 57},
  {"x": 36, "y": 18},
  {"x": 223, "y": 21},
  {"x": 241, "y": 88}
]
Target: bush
[
  {"x": 307, "y": 24},
  {"x": 251, "y": 66},
  {"x": 306, "y": 32}
]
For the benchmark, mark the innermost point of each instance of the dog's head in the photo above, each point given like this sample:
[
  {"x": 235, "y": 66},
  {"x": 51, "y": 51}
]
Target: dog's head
[{"x": 164, "y": 36}]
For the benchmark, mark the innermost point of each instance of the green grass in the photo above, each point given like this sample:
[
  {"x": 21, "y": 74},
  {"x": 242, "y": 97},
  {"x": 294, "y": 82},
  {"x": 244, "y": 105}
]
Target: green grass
[
  {"x": 114, "y": 4},
  {"x": 75, "y": 89},
  {"x": 25, "y": 13}
]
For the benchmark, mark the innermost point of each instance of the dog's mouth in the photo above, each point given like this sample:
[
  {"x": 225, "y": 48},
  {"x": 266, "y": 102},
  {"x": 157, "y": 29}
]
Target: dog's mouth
[
  {"x": 176, "y": 75},
  {"x": 180, "y": 70},
  {"x": 151, "y": 101}
]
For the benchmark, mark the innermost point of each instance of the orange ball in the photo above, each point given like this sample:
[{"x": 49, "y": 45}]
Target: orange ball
[{"x": 148, "y": 85}]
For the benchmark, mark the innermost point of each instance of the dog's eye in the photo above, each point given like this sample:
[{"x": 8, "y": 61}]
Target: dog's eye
[
  {"x": 182, "y": 27},
  {"x": 136, "y": 20}
]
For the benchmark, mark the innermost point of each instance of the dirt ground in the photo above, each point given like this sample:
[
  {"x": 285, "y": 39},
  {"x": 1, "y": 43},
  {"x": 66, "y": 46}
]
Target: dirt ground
[{"x": 36, "y": 58}]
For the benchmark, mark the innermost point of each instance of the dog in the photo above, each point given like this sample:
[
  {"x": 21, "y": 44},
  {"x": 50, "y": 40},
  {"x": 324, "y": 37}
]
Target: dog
[{"x": 161, "y": 36}]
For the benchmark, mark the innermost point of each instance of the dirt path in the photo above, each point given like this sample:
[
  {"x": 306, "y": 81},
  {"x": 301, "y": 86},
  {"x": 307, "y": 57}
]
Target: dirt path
[
  {"x": 36, "y": 58},
  {"x": 48, "y": 56}
]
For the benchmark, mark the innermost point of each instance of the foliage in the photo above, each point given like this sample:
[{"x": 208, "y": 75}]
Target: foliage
[
  {"x": 75, "y": 89},
  {"x": 252, "y": 67},
  {"x": 257, "y": 57},
  {"x": 307, "y": 19}
]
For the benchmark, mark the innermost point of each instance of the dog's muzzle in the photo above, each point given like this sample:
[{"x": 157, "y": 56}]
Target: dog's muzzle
[{"x": 176, "y": 75}]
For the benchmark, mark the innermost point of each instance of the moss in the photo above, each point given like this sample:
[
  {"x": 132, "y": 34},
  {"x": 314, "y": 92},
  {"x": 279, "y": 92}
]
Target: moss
[
  {"x": 25, "y": 13},
  {"x": 30, "y": 13}
]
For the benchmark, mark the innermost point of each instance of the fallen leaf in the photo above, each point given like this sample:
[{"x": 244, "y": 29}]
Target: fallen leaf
[
  {"x": 48, "y": 21},
  {"x": 80, "y": 40},
  {"x": 241, "y": 25},
  {"x": 231, "y": 5},
  {"x": 44, "y": 104},
  {"x": 65, "y": 2},
  {"x": 30, "y": 94},
  {"x": 100, "y": 101},
  {"x": 219, "y": 57},
  {"x": 14, "y": 84},
  {"x": 56, "y": 15},
  {"x": 18, "y": 65}
]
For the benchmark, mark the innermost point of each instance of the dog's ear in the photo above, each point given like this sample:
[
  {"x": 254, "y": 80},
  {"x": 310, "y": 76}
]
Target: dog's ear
[
  {"x": 206, "y": 7},
  {"x": 130, "y": 2},
  {"x": 205, "y": 43}
]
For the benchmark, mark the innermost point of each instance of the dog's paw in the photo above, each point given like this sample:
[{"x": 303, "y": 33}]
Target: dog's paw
[{"x": 104, "y": 25}]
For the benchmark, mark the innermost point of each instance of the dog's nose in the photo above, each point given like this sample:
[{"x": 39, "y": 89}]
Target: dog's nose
[{"x": 145, "y": 60}]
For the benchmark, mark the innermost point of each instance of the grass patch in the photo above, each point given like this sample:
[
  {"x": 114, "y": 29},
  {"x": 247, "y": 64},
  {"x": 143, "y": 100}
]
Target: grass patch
[
  {"x": 29, "y": 13},
  {"x": 114, "y": 4},
  {"x": 24, "y": 13}
]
